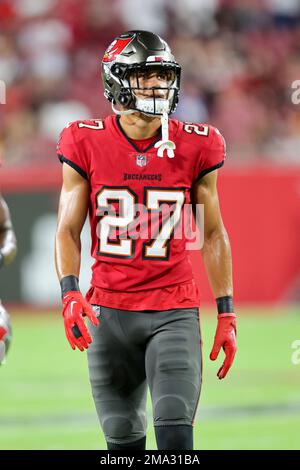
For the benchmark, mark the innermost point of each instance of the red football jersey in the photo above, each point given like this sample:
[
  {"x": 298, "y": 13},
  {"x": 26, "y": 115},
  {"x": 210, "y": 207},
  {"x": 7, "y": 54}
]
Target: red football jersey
[{"x": 136, "y": 209}]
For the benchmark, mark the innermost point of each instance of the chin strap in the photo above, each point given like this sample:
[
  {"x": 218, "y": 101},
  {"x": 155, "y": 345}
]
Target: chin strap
[
  {"x": 165, "y": 143},
  {"x": 121, "y": 113}
]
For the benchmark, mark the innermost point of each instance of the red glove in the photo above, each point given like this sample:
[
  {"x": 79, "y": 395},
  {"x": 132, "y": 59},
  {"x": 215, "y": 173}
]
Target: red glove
[
  {"x": 74, "y": 308},
  {"x": 225, "y": 337}
]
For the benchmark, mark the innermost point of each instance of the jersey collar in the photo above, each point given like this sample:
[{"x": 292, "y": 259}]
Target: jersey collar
[{"x": 131, "y": 142}]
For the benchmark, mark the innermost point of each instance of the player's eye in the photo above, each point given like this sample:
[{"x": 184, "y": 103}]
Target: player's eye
[
  {"x": 162, "y": 76},
  {"x": 170, "y": 75},
  {"x": 166, "y": 75}
]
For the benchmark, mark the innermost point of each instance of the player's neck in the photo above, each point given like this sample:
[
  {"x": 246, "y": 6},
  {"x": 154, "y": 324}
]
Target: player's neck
[{"x": 138, "y": 126}]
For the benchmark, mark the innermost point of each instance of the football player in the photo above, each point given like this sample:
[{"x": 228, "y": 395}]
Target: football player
[
  {"x": 143, "y": 301},
  {"x": 8, "y": 249}
]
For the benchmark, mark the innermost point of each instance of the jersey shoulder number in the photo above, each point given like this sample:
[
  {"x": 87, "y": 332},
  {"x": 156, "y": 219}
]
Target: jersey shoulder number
[
  {"x": 93, "y": 124},
  {"x": 213, "y": 136},
  {"x": 197, "y": 129}
]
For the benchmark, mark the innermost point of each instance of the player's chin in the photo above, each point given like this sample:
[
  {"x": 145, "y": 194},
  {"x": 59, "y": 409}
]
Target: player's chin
[{"x": 144, "y": 117}]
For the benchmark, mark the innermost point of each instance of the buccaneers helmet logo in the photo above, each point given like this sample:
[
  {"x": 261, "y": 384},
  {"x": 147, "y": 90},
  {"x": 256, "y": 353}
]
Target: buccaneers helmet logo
[{"x": 115, "y": 49}]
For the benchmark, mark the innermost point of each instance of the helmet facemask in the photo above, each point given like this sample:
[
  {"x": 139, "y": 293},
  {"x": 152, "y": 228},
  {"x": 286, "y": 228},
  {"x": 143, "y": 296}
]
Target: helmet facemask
[{"x": 131, "y": 91}]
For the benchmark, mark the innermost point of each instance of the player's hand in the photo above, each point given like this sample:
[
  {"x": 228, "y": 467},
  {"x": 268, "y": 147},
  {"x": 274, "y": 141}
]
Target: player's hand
[
  {"x": 225, "y": 338},
  {"x": 75, "y": 307}
]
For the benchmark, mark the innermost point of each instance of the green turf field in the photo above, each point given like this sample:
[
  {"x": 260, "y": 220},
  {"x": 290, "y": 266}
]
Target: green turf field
[{"x": 46, "y": 401}]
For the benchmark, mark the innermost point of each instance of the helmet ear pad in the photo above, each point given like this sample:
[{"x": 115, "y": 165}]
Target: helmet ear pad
[
  {"x": 121, "y": 94},
  {"x": 124, "y": 97}
]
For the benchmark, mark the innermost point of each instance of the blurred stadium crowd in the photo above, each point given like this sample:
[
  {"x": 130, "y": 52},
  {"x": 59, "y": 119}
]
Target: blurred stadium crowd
[{"x": 239, "y": 60}]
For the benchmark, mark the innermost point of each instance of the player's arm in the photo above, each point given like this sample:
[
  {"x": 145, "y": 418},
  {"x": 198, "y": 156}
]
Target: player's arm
[
  {"x": 216, "y": 254},
  {"x": 8, "y": 242},
  {"x": 72, "y": 212},
  {"x": 73, "y": 206}
]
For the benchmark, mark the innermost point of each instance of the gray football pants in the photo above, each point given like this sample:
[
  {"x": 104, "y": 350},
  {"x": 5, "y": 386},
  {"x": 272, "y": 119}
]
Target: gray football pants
[{"x": 133, "y": 349}]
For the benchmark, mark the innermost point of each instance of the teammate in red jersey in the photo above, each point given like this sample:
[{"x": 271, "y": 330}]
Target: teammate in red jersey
[
  {"x": 8, "y": 249},
  {"x": 135, "y": 172}
]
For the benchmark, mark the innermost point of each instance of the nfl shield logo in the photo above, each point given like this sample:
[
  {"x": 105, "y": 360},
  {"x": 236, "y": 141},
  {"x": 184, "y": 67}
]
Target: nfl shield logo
[{"x": 141, "y": 160}]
